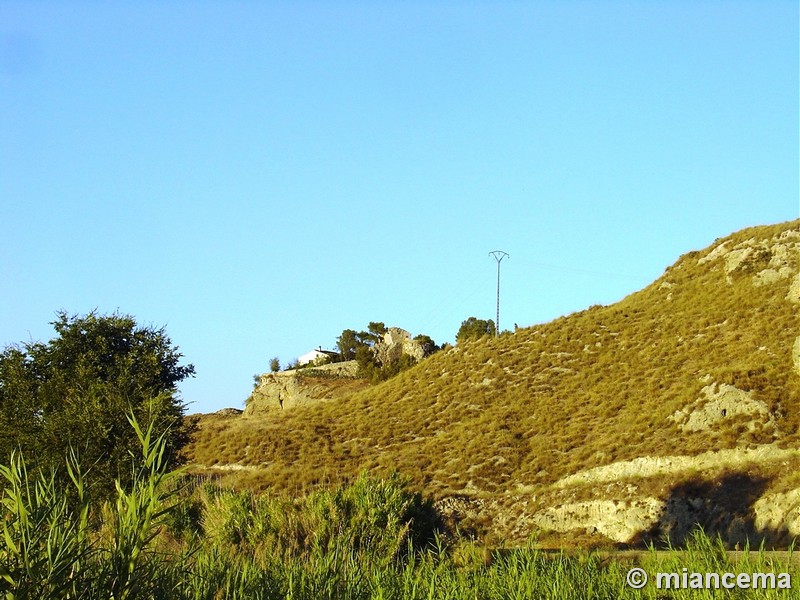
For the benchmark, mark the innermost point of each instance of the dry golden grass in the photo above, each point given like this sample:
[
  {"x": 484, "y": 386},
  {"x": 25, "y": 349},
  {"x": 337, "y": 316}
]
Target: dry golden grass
[{"x": 528, "y": 408}]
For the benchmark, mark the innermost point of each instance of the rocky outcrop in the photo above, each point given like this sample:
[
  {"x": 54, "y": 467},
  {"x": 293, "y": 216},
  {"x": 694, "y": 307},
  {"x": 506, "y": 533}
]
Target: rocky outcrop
[
  {"x": 765, "y": 261},
  {"x": 394, "y": 344},
  {"x": 796, "y": 355},
  {"x": 715, "y": 490},
  {"x": 779, "y": 513},
  {"x": 718, "y": 403},
  {"x": 651, "y": 466},
  {"x": 794, "y": 290},
  {"x": 228, "y": 412},
  {"x": 299, "y": 387},
  {"x": 618, "y": 520}
]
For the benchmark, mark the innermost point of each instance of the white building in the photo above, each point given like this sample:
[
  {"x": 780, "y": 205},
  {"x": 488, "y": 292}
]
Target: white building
[{"x": 310, "y": 357}]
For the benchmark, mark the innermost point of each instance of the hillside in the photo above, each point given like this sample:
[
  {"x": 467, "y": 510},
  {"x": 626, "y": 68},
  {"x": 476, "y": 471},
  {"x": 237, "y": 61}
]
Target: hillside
[{"x": 601, "y": 425}]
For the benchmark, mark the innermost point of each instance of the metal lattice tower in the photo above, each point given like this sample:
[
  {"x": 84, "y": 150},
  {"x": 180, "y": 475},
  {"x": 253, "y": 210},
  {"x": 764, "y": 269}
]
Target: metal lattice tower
[{"x": 498, "y": 255}]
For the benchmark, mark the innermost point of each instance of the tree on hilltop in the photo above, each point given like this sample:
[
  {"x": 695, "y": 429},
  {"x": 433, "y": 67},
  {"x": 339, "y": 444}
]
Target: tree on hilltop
[
  {"x": 361, "y": 346},
  {"x": 474, "y": 328},
  {"x": 347, "y": 344},
  {"x": 352, "y": 344},
  {"x": 376, "y": 330},
  {"x": 428, "y": 345}
]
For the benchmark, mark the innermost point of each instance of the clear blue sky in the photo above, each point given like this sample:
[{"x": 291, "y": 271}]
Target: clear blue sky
[{"x": 258, "y": 176}]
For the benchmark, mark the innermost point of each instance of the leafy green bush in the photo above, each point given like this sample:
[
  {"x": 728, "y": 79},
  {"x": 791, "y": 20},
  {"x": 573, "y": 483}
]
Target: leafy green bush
[
  {"x": 76, "y": 390},
  {"x": 371, "y": 517},
  {"x": 376, "y": 517}
]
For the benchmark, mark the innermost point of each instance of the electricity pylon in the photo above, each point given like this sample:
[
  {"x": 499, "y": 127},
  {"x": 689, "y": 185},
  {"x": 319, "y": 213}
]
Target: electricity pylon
[{"x": 498, "y": 255}]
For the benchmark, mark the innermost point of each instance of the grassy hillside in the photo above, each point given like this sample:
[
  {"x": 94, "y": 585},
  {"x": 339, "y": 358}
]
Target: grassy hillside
[{"x": 519, "y": 412}]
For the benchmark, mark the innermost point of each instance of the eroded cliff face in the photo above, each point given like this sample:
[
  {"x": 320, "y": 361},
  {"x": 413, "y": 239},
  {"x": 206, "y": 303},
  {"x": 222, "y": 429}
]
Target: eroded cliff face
[
  {"x": 287, "y": 390},
  {"x": 742, "y": 495},
  {"x": 654, "y": 498}
]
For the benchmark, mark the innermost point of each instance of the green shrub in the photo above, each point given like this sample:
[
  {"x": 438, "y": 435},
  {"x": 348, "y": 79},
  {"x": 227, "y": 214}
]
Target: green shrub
[{"x": 227, "y": 515}]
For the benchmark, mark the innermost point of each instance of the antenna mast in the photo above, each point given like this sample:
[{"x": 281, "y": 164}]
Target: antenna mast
[{"x": 498, "y": 255}]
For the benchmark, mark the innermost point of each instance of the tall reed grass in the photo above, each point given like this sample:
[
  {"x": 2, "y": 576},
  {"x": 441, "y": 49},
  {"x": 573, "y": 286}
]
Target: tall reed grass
[{"x": 372, "y": 539}]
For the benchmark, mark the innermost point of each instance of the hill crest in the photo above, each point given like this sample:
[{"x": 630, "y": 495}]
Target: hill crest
[{"x": 703, "y": 360}]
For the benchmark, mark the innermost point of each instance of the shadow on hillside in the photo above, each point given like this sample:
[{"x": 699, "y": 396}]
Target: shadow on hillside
[{"x": 721, "y": 507}]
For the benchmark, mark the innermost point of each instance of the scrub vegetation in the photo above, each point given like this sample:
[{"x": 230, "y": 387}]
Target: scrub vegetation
[{"x": 495, "y": 415}]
